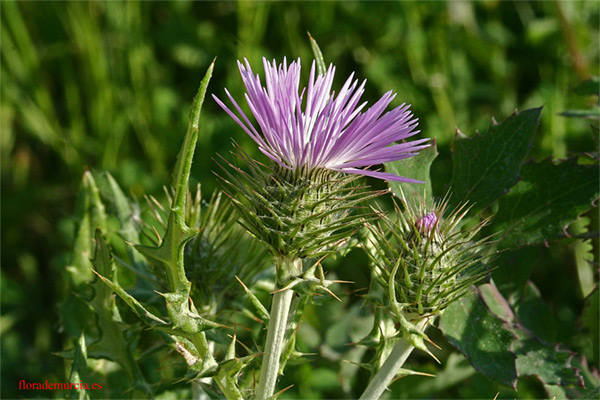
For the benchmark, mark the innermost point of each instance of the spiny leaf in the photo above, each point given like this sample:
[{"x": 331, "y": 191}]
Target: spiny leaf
[
  {"x": 589, "y": 322},
  {"x": 132, "y": 302},
  {"x": 259, "y": 307},
  {"x": 183, "y": 166},
  {"x": 320, "y": 61},
  {"x": 418, "y": 168},
  {"x": 589, "y": 87},
  {"x": 79, "y": 371},
  {"x": 111, "y": 344},
  {"x": 551, "y": 365},
  {"x": 592, "y": 113},
  {"x": 92, "y": 215},
  {"x": 486, "y": 166},
  {"x": 547, "y": 199},
  {"x": 169, "y": 255},
  {"x": 489, "y": 333},
  {"x": 537, "y": 357},
  {"x": 471, "y": 328}
]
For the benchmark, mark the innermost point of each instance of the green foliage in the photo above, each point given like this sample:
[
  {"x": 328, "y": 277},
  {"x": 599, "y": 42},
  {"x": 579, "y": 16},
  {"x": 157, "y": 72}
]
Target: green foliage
[
  {"x": 486, "y": 166},
  {"x": 418, "y": 168},
  {"x": 79, "y": 371},
  {"x": 497, "y": 343},
  {"x": 589, "y": 87},
  {"x": 106, "y": 86},
  {"x": 546, "y": 201},
  {"x": 532, "y": 203},
  {"x": 472, "y": 328}
]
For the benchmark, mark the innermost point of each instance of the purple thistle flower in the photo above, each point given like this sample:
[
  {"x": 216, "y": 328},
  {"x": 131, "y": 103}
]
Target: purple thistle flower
[
  {"x": 315, "y": 129},
  {"x": 426, "y": 223}
]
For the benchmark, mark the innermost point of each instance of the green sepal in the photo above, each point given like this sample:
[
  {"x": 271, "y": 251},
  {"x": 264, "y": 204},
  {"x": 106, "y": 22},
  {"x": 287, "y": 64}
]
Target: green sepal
[{"x": 412, "y": 333}]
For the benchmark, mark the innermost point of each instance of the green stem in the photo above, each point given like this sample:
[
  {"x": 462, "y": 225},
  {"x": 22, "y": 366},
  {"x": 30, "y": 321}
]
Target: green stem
[
  {"x": 275, "y": 342},
  {"x": 389, "y": 369}
]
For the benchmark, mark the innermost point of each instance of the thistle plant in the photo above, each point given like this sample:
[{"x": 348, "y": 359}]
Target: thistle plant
[
  {"x": 197, "y": 272},
  {"x": 422, "y": 260},
  {"x": 301, "y": 204}
]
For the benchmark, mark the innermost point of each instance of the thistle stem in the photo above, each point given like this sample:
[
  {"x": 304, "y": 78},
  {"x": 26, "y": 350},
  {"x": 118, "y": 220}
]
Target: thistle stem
[
  {"x": 269, "y": 371},
  {"x": 390, "y": 367}
]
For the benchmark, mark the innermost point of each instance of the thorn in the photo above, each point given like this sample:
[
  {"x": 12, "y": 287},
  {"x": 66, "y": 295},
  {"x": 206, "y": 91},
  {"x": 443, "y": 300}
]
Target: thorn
[
  {"x": 434, "y": 357},
  {"x": 305, "y": 354},
  {"x": 435, "y": 345},
  {"x": 424, "y": 374},
  {"x": 288, "y": 286},
  {"x": 156, "y": 202},
  {"x": 276, "y": 395},
  {"x": 297, "y": 326},
  {"x": 354, "y": 363},
  {"x": 242, "y": 344},
  {"x": 242, "y": 283},
  {"x": 279, "y": 290},
  {"x": 516, "y": 112},
  {"x": 331, "y": 293},
  {"x": 496, "y": 396},
  {"x": 255, "y": 319},
  {"x": 494, "y": 122},
  {"x": 157, "y": 235},
  {"x": 413, "y": 373}
]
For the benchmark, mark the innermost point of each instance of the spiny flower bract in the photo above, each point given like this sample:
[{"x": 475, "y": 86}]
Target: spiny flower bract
[
  {"x": 317, "y": 129},
  {"x": 426, "y": 257}
]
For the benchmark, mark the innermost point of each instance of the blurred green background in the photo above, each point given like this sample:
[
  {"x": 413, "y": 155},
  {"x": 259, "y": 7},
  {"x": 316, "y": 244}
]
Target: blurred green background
[{"x": 108, "y": 85}]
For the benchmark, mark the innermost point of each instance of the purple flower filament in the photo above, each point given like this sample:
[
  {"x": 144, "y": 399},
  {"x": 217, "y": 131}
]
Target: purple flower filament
[
  {"x": 426, "y": 223},
  {"x": 317, "y": 129}
]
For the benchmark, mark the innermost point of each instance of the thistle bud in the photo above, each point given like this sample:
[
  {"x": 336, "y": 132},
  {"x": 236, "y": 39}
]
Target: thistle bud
[
  {"x": 425, "y": 260},
  {"x": 426, "y": 223}
]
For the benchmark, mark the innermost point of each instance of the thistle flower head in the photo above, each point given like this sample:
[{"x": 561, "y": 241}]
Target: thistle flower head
[
  {"x": 313, "y": 128},
  {"x": 426, "y": 260},
  {"x": 294, "y": 215}
]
